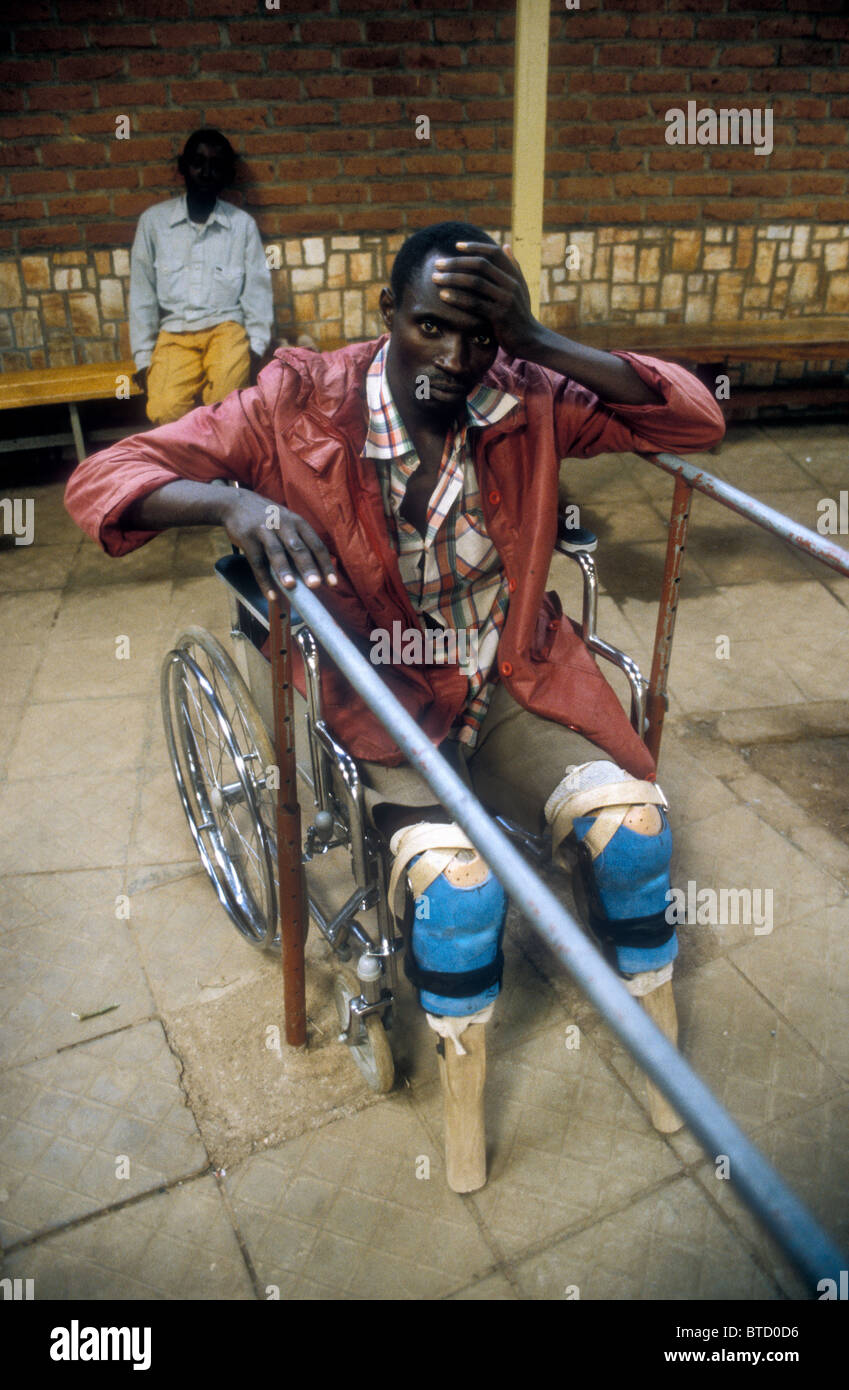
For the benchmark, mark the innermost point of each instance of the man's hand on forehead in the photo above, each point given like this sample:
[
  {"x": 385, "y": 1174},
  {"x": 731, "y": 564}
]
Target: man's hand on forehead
[{"x": 487, "y": 283}]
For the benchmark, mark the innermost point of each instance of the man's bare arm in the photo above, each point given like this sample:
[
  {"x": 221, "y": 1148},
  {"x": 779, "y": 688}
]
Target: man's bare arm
[
  {"x": 609, "y": 377},
  {"x": 275, "y": 541},
  {"x": 488, "y": 283}
]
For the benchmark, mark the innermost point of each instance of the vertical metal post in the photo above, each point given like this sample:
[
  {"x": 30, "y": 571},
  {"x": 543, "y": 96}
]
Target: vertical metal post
[
  {"x": 290, "y": 898},
  {"x": 533, "y": 18},
  {"x": 675, "y": 545}
]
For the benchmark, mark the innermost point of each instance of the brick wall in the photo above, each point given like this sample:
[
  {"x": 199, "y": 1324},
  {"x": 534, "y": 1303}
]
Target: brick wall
[{"x": 323, "y": 104}]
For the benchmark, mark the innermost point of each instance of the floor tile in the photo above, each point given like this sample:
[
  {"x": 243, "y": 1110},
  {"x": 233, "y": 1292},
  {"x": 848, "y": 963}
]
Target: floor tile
[
  {"x": 27, "y": 618},
  {"x": 90, "y": 668},
  {"x": 69, "y": 1122},
  {"x": 88, "y": 816},
  {"x": 802, "y": 1149},
  {"x": 342, "y": 1208},
  {"x": 759, "y": 470},
  {"x": 673, "y": 1245},
  {"x": 48, "y": 975},
  {"x": 160, "y": 833},
  {"x": 35, "y": 567},
  {"x": 767, "y": 882},
  {"x": 16, "y": 677},
  {"x": 804, "y": 972},
  {"x": 758, "y": 1066},
  {"x": 493, "y": 1288},
  {"x": 53, "y": 525},
  {"x": 177, "y": 1244},
  {"x": 105, "y": 612},
  {"x": 147, "y": 564},
  {"x": 68, "y": 737},
  {"x": 190, "y": 948}
]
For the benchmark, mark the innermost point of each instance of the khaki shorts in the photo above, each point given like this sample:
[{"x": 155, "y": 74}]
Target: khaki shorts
[
  {"x": 517, "y": 762},
  {"x": 209, "y": 363}
]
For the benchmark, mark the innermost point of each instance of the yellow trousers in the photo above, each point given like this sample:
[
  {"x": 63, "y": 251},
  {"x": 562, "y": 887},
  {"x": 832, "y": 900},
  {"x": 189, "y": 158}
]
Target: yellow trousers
[{"x": 209, "y": 364}]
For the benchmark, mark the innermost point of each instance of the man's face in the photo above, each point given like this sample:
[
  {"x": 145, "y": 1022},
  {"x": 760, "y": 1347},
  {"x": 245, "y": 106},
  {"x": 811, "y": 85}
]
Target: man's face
[
  {"x": 206, "y": 170},
  {"x": 449, "y": 348}
]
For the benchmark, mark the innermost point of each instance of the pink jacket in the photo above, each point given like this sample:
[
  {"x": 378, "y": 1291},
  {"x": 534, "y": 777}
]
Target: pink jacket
[{"x": 296, "y": 438}]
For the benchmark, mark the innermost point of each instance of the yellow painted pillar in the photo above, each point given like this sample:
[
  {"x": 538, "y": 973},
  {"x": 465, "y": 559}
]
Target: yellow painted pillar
[{"x": 529, "y": 105}]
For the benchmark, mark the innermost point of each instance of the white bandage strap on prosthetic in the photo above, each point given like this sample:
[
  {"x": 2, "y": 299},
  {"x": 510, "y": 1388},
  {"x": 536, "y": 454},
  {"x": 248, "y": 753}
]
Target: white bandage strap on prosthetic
[
  {"x": 638, "y": 986},
  {"x": 454, "y": 1028},
  {"x": 454, "y": 956},
  {"x": 597, "y": 788},
  {"x": 623, "y": 865},
  {"x": 438, "y": 846}
]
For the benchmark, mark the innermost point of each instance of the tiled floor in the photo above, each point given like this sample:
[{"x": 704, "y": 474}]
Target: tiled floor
[{"x": 162, "y": 1146}]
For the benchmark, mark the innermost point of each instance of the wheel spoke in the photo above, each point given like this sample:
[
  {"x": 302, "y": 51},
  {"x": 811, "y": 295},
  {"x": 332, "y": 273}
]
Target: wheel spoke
[
  {"x": 214, "y": 748},
  {"x": 201, "y": 738}
]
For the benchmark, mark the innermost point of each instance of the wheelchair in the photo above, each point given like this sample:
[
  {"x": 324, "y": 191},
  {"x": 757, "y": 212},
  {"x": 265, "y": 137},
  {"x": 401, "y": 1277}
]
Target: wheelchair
[{"x": 217, "y": 722}]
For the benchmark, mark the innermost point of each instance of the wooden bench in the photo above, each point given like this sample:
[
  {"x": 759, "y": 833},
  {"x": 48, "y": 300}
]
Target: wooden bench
[
  {"x": 40, "y": 386},
  {"x": 815, "y": 338}
]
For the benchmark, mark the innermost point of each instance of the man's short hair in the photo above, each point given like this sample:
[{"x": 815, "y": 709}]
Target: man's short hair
[
  {"x": 441, "y": 237},
  {"x": 207, "y": 136}
]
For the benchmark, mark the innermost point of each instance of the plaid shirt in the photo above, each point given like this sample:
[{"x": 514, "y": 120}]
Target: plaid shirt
[{"x": 453, "y": 574}]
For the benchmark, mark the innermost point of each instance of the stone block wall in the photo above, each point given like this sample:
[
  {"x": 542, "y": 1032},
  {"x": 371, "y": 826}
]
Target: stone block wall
[
  {"x": 71, "y": 306},
  {"x": 64, "y": 308}
]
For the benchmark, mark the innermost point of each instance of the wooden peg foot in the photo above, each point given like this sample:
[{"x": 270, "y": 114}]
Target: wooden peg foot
[
  {"x": 462, "y": 1089},
  {"x": 660, "y": 1007}
]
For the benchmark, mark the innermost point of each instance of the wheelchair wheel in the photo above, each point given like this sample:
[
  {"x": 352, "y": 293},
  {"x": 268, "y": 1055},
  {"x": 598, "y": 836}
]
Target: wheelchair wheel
[
  {"x": 219, "y": 751},
  {"x": 373, "y": 1055}
]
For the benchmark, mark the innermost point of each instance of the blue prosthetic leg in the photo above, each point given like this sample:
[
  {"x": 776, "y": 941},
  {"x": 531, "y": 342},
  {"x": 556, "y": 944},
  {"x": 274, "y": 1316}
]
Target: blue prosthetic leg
[
  {"x": 454, "y": 909},
  {"x": 624, "y": 873}
]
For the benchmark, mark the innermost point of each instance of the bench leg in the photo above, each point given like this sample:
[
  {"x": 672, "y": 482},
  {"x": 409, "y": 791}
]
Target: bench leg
[
  {"x": 462, "y": 1090},
  {"x": 77, "y": 431}
]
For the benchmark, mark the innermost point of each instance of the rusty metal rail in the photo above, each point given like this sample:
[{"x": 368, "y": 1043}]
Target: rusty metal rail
[
  {"x": 812, "y": 1252},
  {"x": 689, "y": 477},
  {"x": 291, "y": 898},
  {"x": 762, "y": 1188}
]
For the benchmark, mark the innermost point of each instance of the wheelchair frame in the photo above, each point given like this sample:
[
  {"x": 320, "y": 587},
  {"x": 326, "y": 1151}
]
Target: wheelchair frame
[{"x": 339, "y": 820}]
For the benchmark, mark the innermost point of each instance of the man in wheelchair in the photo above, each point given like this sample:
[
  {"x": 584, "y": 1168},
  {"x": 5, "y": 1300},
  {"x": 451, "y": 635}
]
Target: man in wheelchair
[{"x": 415, "y": 478}]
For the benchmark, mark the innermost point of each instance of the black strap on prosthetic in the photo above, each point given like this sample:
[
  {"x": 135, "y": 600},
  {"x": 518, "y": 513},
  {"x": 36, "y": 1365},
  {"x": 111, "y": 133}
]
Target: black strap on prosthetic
[
  {"x": 460, "y": 984},
  {"x": 454, "y": 985},
  {"x": 643, "y": 932}
]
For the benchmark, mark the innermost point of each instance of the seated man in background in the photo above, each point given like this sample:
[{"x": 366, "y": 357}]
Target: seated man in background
[
  {"x": 417, "y": 478},
  {"x": 200, "y": 290}
]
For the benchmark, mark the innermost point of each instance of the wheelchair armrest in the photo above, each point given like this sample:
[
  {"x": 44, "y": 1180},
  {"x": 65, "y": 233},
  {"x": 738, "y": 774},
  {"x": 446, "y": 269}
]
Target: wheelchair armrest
[
  {"x": 238, "y": 575},
  {"x": 584, "y": 559}
]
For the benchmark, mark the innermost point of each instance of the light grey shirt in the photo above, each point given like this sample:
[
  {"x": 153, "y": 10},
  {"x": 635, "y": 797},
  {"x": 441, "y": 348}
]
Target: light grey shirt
[{"x": 185, "y": 277}]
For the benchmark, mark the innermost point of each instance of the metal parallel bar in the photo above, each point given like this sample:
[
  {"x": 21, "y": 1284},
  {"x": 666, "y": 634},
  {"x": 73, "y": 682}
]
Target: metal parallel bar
[
  {"x": 689, "y": 477},
  {"x": 798, "y": 536},
  {"x": 291, "y": 902},
  {"x": 765, "y": 1192},
  {"x": 665, "y": 631}
]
